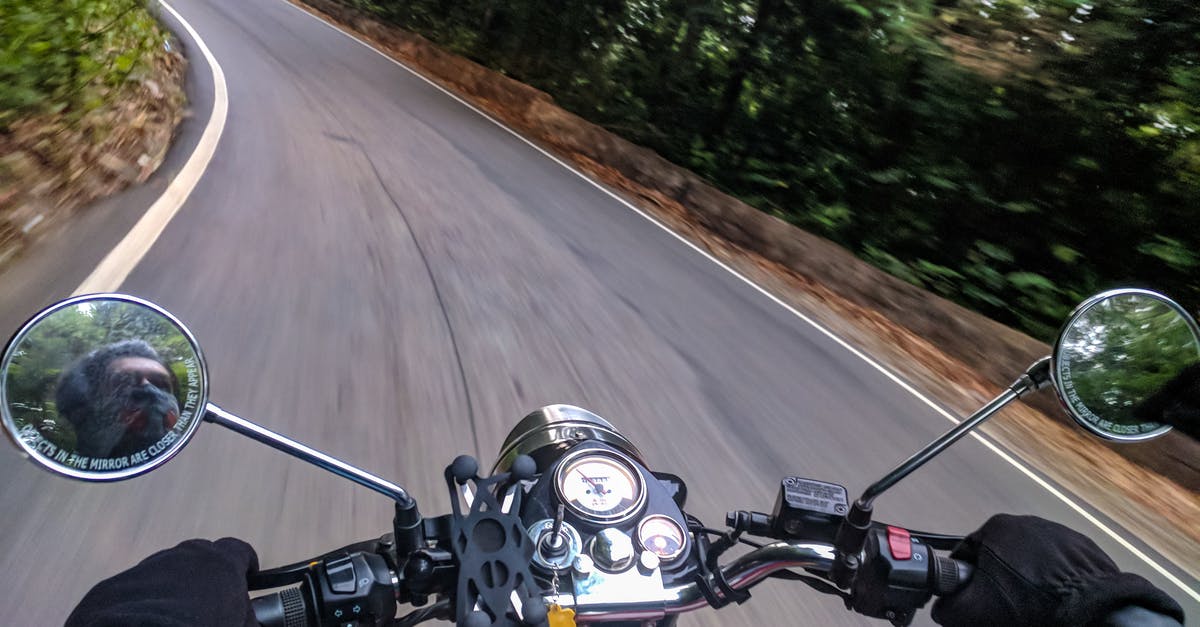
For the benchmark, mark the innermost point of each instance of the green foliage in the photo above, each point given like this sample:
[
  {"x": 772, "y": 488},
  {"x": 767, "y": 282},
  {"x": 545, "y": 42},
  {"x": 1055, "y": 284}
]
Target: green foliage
[
  {"x": 54, "y": 52},
  {"x": 1013, "y": 155},
  {"x": 1171, "y": 252}
]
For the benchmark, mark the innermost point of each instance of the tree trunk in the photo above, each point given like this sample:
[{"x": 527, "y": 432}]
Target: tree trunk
[
  {"x": 741, "y": 67},
  {"x": 691, "y": 39}
]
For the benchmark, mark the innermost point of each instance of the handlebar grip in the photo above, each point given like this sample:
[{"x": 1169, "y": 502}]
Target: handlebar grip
[
  {"x": 949, "y": 575},
  {"x": 286, "y": 608}
]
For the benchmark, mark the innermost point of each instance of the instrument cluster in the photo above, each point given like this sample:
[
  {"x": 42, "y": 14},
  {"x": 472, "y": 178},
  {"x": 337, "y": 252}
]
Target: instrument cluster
[{"x": 598, "y": 515}]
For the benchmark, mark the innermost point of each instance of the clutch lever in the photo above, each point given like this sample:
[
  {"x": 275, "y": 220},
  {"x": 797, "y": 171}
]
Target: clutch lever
[{"x": 294, "y": 573}]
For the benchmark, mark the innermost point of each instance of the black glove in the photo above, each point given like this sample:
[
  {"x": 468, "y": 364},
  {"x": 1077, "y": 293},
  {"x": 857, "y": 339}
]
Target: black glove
[
  {"x": 198, "y": 583},
  {"x": 1030, "y": 571}
]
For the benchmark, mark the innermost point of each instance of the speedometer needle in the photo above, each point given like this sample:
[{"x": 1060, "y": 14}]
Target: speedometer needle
[{"x": 597, "y": 486}]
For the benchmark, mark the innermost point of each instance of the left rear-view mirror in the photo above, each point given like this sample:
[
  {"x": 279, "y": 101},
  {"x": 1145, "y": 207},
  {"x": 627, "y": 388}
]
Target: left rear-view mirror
[{"x": 102, "y": 387}]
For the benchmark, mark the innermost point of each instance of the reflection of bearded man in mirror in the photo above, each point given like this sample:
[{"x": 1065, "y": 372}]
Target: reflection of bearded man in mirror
[{"x": 120, "y": 399}]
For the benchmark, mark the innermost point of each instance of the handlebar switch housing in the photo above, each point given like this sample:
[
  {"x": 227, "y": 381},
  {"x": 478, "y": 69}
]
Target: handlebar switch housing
[
  {"x": 354, "y": 589},
  {"x": 808, "y": 509},
  {"x": 893, "y": 581}
]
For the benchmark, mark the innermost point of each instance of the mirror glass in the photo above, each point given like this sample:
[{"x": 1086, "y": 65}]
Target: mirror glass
[
  {"x": 102, "y": 387},
  {"x": 1126, "y": 363}
]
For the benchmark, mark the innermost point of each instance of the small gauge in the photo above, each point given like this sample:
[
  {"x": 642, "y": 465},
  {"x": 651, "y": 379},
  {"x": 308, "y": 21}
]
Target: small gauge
[
  {"x": 600, "y": 486},
  {"x": 661, "y": 536}
]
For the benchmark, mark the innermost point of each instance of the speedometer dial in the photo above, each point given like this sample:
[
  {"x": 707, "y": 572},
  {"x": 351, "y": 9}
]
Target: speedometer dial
[{"x": 600, "y": 486}]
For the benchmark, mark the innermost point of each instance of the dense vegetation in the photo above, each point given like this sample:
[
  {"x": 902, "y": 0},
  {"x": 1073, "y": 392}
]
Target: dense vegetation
[
  {"x": 63, "y": 55},
  {"x": 1012, "y": 155}
]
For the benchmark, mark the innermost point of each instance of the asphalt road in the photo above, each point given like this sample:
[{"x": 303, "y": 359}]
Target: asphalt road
[{"x": 376, "y": 270}]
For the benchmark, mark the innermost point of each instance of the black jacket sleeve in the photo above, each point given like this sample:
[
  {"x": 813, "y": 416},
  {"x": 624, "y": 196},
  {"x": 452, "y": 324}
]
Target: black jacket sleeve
[{"x": 1137, "y": 616}]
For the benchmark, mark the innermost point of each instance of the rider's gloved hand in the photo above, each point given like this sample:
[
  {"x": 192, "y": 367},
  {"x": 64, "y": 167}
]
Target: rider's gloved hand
[
  {"x": 198, "y": 583},
  {"x": 1030, "y": 571}
]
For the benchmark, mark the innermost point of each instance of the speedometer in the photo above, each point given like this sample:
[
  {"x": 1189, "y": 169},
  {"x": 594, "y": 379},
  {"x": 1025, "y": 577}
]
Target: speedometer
[{"x": 600, "y": 486}]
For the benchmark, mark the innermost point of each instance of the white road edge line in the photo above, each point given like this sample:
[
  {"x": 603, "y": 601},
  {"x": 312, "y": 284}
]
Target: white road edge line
[
  {"x": 125, "y": 256},
  {"x": 880, "y": 367}
]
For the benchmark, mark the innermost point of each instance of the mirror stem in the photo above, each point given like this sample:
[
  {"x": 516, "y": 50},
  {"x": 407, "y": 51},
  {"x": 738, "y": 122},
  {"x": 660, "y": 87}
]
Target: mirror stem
[
  {"x": 1035, "y": 378},
  {"x": 216, "y": 415},
  {"x": 853, "y": 531}
]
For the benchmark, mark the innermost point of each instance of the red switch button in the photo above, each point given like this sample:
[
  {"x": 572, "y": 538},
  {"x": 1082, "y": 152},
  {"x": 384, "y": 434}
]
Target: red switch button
[{"x": 900, "y": 543}]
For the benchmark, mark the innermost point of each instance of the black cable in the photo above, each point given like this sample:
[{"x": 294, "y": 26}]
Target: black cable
[
  {"x": 717, "y": 532},
  {"x": 816, "y": 583},
  {"x": 739, "y": 596},
  {"x": 703, "y": 577},
  {"x": 423, "y": 614}
]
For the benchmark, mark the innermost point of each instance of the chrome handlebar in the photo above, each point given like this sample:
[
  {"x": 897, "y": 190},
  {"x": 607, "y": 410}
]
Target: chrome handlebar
[
  {"x": 742, "y": 573},
  {"x": 758, "y": 564}
]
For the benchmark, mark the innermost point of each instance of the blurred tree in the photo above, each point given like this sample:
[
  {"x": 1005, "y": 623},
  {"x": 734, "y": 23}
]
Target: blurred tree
[
  {"x": 52, "y": 51},
  {"x": 1012, "y": 155}
]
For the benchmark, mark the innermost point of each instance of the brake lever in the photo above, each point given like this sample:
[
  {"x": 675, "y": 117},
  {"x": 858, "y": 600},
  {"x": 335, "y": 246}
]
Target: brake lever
[{"x": 936, "y": 541}]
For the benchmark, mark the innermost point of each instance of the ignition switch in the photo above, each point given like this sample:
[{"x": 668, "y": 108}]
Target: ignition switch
[{"x": 550, "y": 554}]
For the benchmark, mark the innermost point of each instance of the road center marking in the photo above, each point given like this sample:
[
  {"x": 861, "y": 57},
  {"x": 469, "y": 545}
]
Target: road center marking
[
  {"x": 1108, "y": 531},
  {"x": 124, "y": 257}
]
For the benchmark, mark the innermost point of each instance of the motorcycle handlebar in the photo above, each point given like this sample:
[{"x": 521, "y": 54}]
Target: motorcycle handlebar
[
  {"x": 946, "y": 577},
  {"x": 289, "y": 607},
  {"x": 759, "y": 564}
]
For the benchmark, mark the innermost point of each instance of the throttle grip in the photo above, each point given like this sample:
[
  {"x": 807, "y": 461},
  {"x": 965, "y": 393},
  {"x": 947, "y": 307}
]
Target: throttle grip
[
  {"x": 286, "y": 608},
  {"x": 949, "y": 575}
]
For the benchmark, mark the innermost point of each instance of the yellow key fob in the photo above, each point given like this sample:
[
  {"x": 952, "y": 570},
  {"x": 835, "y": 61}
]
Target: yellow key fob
[{"x": 559, "y": 616}]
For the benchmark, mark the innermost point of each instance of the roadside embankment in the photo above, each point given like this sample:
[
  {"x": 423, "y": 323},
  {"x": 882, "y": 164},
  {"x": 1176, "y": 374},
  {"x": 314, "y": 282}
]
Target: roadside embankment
[
  {"x": 951, "y": 354},
  {"x": 90, "y": 107}
]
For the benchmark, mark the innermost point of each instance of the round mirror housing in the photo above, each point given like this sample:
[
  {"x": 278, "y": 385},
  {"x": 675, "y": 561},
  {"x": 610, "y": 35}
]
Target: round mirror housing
[
  {"x": 1126, "y": 364},
  {"x": 102, "y": 387}
]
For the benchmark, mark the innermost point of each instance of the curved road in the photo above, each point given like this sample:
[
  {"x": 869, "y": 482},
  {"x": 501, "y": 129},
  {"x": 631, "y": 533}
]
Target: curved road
[{"x": 378, "y": 271}]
